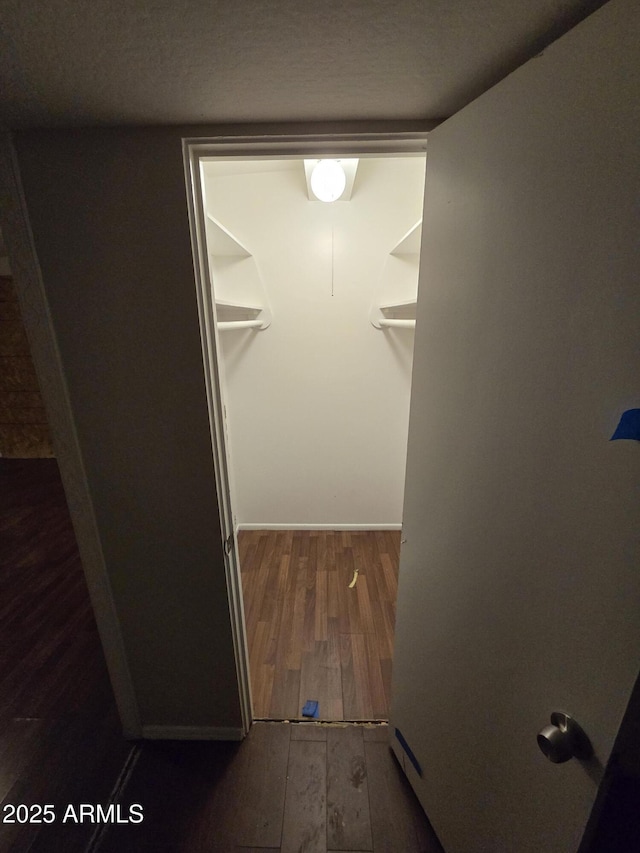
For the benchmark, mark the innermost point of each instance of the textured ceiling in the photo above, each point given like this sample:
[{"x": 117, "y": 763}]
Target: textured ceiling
[{"x": 87, "y": 62}]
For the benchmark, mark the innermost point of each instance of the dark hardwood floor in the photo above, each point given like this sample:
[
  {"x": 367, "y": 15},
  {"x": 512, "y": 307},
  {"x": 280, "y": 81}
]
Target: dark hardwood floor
[
  {"x": 60, "y": 736},
  {"x": 288, "y": 788},
  {"x": 311, "y": 635}
]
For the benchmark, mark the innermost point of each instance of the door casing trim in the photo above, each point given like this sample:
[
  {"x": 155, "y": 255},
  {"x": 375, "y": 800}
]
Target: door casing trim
[{"x": 195, "y": 151}]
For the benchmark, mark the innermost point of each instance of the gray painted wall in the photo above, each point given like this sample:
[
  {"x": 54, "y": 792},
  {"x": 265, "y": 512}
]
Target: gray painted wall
[
  {"x": 108, "y": 212},
  {"x": 109, "y": 218}
]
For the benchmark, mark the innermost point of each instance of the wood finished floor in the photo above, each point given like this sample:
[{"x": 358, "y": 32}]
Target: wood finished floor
[
  {"x": 60, "y": 736},
  {"x": 288, "y": 788},
  {"x": 310, "y": 635},
  {"x": 284, "y": 788}
]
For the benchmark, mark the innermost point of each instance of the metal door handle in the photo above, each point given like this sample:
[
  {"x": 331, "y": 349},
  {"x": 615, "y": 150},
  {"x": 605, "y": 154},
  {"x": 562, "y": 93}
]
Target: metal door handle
[{"x": 564, "y": 739}]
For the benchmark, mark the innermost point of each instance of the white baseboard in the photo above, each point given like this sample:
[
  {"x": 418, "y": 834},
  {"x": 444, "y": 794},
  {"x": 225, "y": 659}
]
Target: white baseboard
[
  {"x": 191, "y": 733},
  {"x": 266, "y": 526}
]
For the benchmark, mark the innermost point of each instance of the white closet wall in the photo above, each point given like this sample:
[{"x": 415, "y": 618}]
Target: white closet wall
[{"x": 318, "y": 402}]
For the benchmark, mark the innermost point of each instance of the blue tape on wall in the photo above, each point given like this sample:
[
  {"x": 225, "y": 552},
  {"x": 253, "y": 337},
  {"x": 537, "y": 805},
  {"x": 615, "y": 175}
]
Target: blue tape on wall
[
  {"x": 629, "y": 426},
  {"x": 407, "y": 749}
]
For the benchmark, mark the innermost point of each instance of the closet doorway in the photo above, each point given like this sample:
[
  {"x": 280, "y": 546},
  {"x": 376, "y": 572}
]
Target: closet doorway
[{"x": 312, "y": 313}]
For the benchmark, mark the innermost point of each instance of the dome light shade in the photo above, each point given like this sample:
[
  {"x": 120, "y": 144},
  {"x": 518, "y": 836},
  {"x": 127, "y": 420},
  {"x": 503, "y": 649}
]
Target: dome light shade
[{"x": 328, "y": 180}]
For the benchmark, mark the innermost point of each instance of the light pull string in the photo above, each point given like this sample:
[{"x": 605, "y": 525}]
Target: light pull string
[{"x": 332, "y": 259}]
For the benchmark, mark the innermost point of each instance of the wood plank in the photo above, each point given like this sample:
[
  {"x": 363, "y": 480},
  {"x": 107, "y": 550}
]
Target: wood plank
[
  {"x": 296, "y": 637},
  {"x": 386, "y": 629},
  {"x": 304, "y": 826},
  {"x": 376, "y": 734},
  {"x": 321, "y": 552},
  {"x": 365, "y": 611},
  {"x": 344, "y": 576},
  {"x": 321, "y": 614},
  {"x": 390, "y": 576},
  {"x": 246, "y": 549},
  {"x": 330, "y": 545},
  {"x": 279, "y": 616},
  {"x": 259, "y": 578},
  {"x": 263, "y": 697},
  {"x": 348, "y": 818},
  {"x": 271, "y": 597},
  {"x": 374, "y": 579},
  {"x": 293, "y": 709},
  {"x": 394, "y": 538},
  {"x": 304, "y": 542},
  {"x": 332, "y": 594},
  {"x": 361, "y": 678},
  {"x": 309, "y": 731},
  {"x": 349, "y": 698},
  {"x": 335, "y": 706},
  {"x": 265, "y": 752},
  {"x": 386, "y": 667},
  {"x": 273, "y": 546},
  {"x": 313, "y": 679},
  {"x": 279, "y": 710},
  {"x": 376, "y": 682},
  {"x": 358, "y": 540},
  {"x": 308, "y": 630},
  {"x": 353, "y": 609},
  {"x": 397, "y": 820}
]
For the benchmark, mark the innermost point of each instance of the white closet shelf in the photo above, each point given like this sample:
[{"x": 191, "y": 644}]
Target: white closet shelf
[
  {"x": 410, "y": 243},
  {"x": 236, "y": 306},
  {"x": 406, "y": 305},
  {"x": 240, "y": 315},
  {"x": 399, "y": 274},
  {"x": 399, "y": 315},
  {"x": 231, "y": 263},
  {"x": 222, "y": 243}
]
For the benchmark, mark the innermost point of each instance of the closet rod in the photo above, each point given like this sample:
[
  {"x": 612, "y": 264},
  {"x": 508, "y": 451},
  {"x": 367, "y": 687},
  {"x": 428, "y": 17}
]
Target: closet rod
[
  {"x": 239, "y": 324},
  {"x": 397, "y": 324}
]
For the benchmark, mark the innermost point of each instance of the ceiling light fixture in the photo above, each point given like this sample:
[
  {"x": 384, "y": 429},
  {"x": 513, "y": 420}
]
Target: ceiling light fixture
[{"x": 328, "y": 180}]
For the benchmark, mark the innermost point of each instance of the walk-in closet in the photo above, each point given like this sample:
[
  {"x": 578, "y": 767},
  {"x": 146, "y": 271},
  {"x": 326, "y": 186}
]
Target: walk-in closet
[{"x": 315, "y": 314}]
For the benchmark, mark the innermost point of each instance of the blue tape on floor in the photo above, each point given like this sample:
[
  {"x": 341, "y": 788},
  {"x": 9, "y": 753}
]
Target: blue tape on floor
[
  {"x": 408, "y": 751},
  {"x": 629, "y": 426},
  {"x": 311, "y": 709}
]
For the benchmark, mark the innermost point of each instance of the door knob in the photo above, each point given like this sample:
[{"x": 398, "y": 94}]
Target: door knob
[{"x": 564, "y": 739}]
